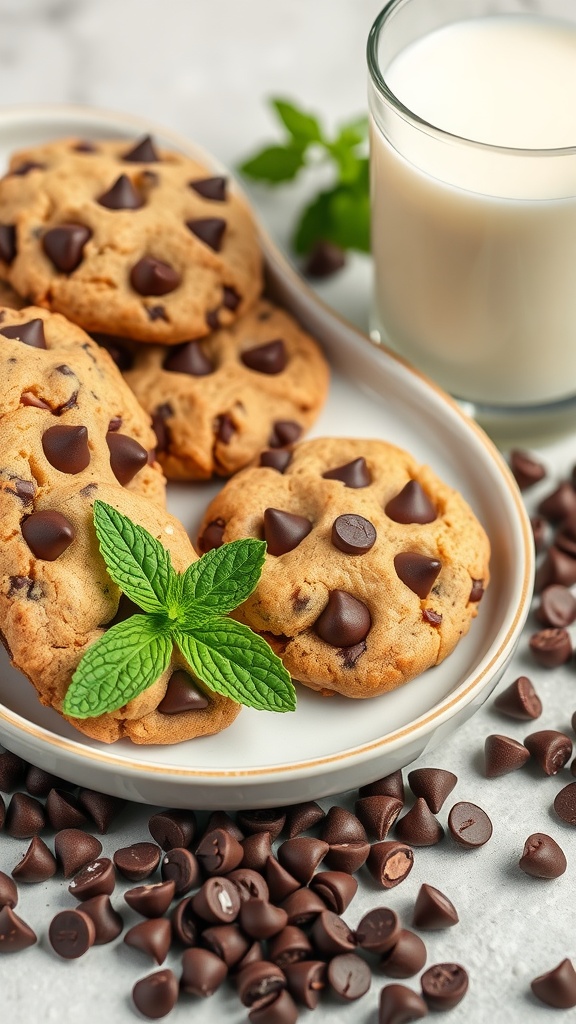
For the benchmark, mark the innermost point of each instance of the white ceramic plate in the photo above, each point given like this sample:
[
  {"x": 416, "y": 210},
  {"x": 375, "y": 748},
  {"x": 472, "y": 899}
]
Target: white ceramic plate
[{"x": 326, "y": 746}]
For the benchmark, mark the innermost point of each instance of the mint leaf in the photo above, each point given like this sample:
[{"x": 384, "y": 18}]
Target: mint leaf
[
  {"x": 352, "y": 133},
  {"x": 224, "y": 577},
  {"x": 340, "y": 215},
  {"x": 303, "y": 127},
  {"x": 314, "y": 224},
  {"x": 232, "y": 660},
  {"x": 135, "y": 560},
  {"x": 275, "y": 163},
  {"x": 120, "y": 665}
]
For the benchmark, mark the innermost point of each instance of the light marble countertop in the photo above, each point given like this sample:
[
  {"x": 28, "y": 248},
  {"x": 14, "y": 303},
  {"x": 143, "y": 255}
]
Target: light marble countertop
[{"x": 205, "y": 69}]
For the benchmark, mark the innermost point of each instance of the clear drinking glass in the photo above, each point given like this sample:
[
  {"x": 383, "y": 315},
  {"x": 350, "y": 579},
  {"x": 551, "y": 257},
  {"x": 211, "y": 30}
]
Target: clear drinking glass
[{"x": 474, "y": 244}]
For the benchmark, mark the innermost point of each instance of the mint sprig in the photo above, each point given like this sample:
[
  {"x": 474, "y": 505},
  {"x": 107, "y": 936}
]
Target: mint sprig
[
  {"x": 183, "y": 609},
  {"x": 339, "y": 214}
]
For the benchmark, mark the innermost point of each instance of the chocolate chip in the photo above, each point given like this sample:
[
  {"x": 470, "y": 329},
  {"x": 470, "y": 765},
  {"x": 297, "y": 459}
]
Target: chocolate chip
[
  {"x": 282, "y": 1010},
  {"x": 539, "y": 533},
  {"x": 503, "y": 755},
  {"x": 127, "y": 457},
  {"x": 284, "y": 432},
  {"x": 157, "y": 312},
  {"x": 219, "y": 852},
  {"x": 341, "y": 826},
  {"x": 283, "y": 531},
  {"x": 418, "y": 572},
  {"x": 444, "y": 986},
  {"x": 47, "y": 534},
  {"x": 93, "y": 879},
  {"x": 107, "y": 922},
  {"x": 565, "y": 536},
  {"x": 353, "y": 474},
  {"x": 84, "y": 147},
  {"x": 306, "y": 980},
  {"x": 433, "y": 784},
  {"x": 301, "y": 856},
  {"x": 278, "y": 459},
  {"x": 390, "y": 862},
  {"x": 155, "y": 995},
  {"x": 550, "y": 749},
  {"x": 151, "y": 900},
  {"x": 345, "y": 620},
  {"x": 249, "y": 884},
  {"x": 526, "y": 469},
  {"x": 63, "y": 811},
  {"x": 353, "y": 534},
  {"x": 8, "y": 891},
  {"x": 25, "y": 490},
  {"x": 560, "y": 504},
  {"x": 433, "y": 910},
  {"x": 419, "y": 827},
  {"x": 188, "y": 358},
  {"x": 101, "y": 807},
  {"x": 469, "y": 825},
  {"x": 557, "y": 987},
  {"x": 173, "y": 828},
  {"x": 66, "y": 448},
  {"x": 71, "y": 934},
  {"x": 24, "y": 817},
  {"x": 24, "y": 587},
  {"x": 137, "y": 861},
  {"x": 39, "y": 783},
  {"x": 150, "y": 276},
  {"x": 31, "y": 333},
  {"x": 434, "y": 618},
  {"x": 29, "y": 165},
  {"x": 122, "y": 195},
  {"x": 224, "y": 428},
  {"x": 227, "y": 941},
  {"x": 349, "y": 976},
  {"x": 348, "y": 857},
  {"x": 551, "y": 647},
  {"x": 212, "y": 537},
  {"x": 184, "y": 922},
  {"x": 411, "y": 505},
  {"x": 378, "y": 813},
  {"x": 281, "y": 883},
  {"x": 64, "y": 246},
  {"x": 258, "y": 982},
  {"x": 390, "y": 785},
  {"x": 270, "y": 820},
  {"x": 399, "y": 1004},
  {"x": 406, "y": 958},
  {"x": 378, "y": 930},
  {"x": 210, "y": 188},
  {"x": 477, "y": 592},
  {"x": 142, "y": 152},
  {"x": 302, "y": 906},
  {"x": 542, "y": 857},
  {"x": 15, "y": 934},
  {"x": 209, "y": 230},
  {"x": 12, "y": 771},
  {"x": 257, "y": 848},
  {"x": 302, "y": 817},
  {"x": 7, "y": 242},
  {"x": 558, "y": 567},
  {"x": 270, "y": 358},
  {"x": 180, "y": 866},
  {"x": 261, "y": 919},
  {"x": 335, "y": 888},
  {"x": 182, "y": 695},
  {"x": 151, "y": 937},
  {"x": 331, "y": 935},
  {"x": 74, "y": 849},
  {"x": 519, "y": 700},
  {"x": 557, "y": 606},
  {"x": 37, "y": 865},
  {"x": 565, "y": 804},
  {"x": 324, "y": 259},
  {"x": 202, "y": 972}
]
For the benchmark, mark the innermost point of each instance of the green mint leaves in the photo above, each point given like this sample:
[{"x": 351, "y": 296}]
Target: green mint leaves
[
  {"x": 186, "y": 609},
  {"x": 340, "y": 214}
]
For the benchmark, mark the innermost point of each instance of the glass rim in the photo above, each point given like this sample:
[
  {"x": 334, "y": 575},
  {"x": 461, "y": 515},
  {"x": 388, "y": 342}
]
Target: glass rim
[{"x": 379, "y": 82}]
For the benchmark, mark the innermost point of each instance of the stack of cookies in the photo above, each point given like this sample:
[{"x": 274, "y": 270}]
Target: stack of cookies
[{"x": 374, "y": 568}]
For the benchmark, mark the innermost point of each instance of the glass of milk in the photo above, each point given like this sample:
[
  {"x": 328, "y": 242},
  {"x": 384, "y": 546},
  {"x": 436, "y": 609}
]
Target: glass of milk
[{"x": 473, "y": 180}]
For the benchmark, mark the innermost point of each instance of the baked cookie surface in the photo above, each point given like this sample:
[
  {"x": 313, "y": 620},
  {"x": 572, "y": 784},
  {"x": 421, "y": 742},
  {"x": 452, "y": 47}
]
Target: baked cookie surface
[
  {"x": 374, "y": 568},
  {"x": 70, "y": 432},
  {"x": 217, "y": 403},
  {"x": 127, "y": 238}
]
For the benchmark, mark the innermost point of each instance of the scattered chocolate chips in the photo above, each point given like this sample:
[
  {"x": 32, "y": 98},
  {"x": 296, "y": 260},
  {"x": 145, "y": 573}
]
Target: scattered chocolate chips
[
  {"x": 469, "y": 825},
  {"x": 341, "y": 826},
  {"x": 283, "y": 531},
  {"x": 302, "y": 817},
  {"x": 557, "y": 607},
  {"x": 37, "y": 865},
  {"x": 260, "y": 919},
  {"x": 48, "y": 534},
  {"x": 155, "y": 995},
  {"x": 411, "y": 505},
  {"x": 151, "y": 937},
  {"x": 284, "y": 432},
  {"x": 378, "y": 930},
  {"x": 219, "y": 852},
  {"x": 560, "y": 504},
  {"x": 209, "y": 230},
  {"x": 202, "y": 972},
  {"x": 31, "y": 333},
  {"x": 378, "y": 813},
  {"x": 24, "y": 816},
  {"x": 282, "y": 1010},
  {"x": 519, "y": 700},
  {"x": 345, "y": 621},
  {"x": 353, "y": 534},
  {"x": 550, "y": 749},
  {"x": 210, "y": 188},
  {"x": 324, "y": 259},
  {"x": 302, "y": 906},
  {"x": 557, "y": 567},
  {"x": 390, "y": 785},
  {"x": 557, "y": 987},
  {"x": 399, "y": 1004},
  {"x": 39, "y": 783},
  {"x": 433, "y": 784},
  {"x": 12, "y": 771},
  {"x": 419, "y": 827},
  {"x": 249, "y": 884},
  {"x": 306, "y": 980},
  {"x": 349, "y": 976},
  {"x": 64, "y": 246},
  {"x": 336, "y": 888},
  {"x": 142, "y": 152},
  {"x": 279, "y": 881},
  {"x": 74, "y": 849},
  {"x": 270, "y": 358},
  {"x": 503, "y": 755},
  {"x": 151, "y": 900},
  {"x": 15, "y": 934},
  {"x": 107, "y": 921},
  {"x": 278, "y": 459},
  {"x": 270, "y": 820},
  {"x": 8, "y": 891},
  {"x": 418, "y": 572},
  {"x": 100, "y": 807},
  {"x": 565, "y": 804},
  {"x": 433, "y": 910},
  {"x": 348, "y": 857},
  {"x": 258, "y": 982},
  {"x": 172, "y": 828},
  {"x": 331, "y": 935},
  {"x": 542, "y": 857},
  {"x": 7, "y": 242},
  {"x": 390, "y": 862},
  {"x": 188, "y": 358},
  {"x": 444, "y": 986},
  {"x": 71, "y": 934},
  {"x": 406, "y": 958},
  {"x": 180, "y": 866},
  {"x": 150, "y": 276},
  {"x": 301, "y": 856},
  {"x": 526, "y": 469},
  {"x": 257, "y": 848},
  {"x": 63, "y": 811},
  {"x": 353, "y": 474},
  {"x": 539, "y": 533},
  {"x": 137, "y": 861},
  {"x": 551, "y": 647},
  {"x": 93, "y": 879}
]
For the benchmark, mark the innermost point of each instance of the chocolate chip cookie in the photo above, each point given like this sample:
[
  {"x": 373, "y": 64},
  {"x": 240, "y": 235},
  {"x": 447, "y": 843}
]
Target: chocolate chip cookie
[
  {"x": 374, "y": 568},
  {"x": 216, "y": 403},
  {"x": 127, "y": 238},
  {"x": 71, "y": 431}
]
